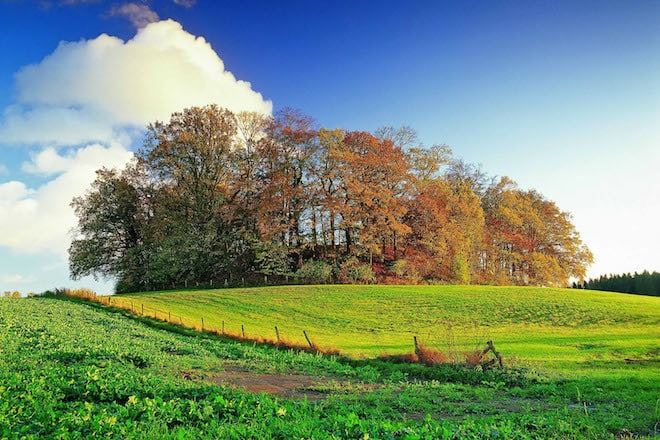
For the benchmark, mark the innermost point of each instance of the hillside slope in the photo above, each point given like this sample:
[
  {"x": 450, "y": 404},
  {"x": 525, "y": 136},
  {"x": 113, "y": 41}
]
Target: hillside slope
[{"x": 555, "y": 329}]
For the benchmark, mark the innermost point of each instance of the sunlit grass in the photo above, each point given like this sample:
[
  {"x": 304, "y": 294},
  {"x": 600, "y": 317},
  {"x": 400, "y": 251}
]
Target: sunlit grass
[
  {"x": 68, "y": 366},
  {"x": 563, "y": 330}
]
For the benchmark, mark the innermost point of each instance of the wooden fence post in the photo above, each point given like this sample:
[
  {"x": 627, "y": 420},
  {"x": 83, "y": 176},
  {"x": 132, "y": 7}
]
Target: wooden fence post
[
  {"x": 223, "y": 327},
  {"x": 498, "y": 357},
  {"x": 277, "y": 333},
  {"x": 243, "y": 331},
  {"x": 202, "y": 323},
  {"x": 308, "y": 341}
]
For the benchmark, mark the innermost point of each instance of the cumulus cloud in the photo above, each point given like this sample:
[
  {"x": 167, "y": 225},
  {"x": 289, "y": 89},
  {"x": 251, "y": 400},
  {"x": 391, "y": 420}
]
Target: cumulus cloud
[
  {"x": 139, "y": 15},
  {"x": 39, "y": 219},
  {"x": 49, "y": 162},
  {"x": 85, "y": 104},
  {"x": 12, "y": 192},
  {"x": 86, "y": 91}
]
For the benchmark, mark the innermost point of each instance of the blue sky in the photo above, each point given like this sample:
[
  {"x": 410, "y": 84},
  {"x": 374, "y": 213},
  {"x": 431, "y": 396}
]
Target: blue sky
[{"x": 560, "y": 96}]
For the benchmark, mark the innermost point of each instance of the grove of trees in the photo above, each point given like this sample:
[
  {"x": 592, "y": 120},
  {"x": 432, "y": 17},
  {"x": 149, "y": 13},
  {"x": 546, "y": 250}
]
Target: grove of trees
[
  {"x": 645, "y": 283},
  {"x": 218, "y": 197}
]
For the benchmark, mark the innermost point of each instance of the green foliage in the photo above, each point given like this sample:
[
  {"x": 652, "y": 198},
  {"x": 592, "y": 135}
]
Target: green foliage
[
  {"x": 644, "y": 283},
  {"x": 404, "y": 270},
  {"x": 460, "y": 269},
  {"x": 315, "y": 272},
  {"x": 353, "y": 271},
  {"x": 272, "y": 259},
  {"x": 400, "y": 268}
]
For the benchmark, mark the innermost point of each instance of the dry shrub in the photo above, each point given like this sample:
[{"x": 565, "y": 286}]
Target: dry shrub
[
  {"x": 81, "y": 293},
  {"x": 408, "y": 358},
  {"x": 430, "y": 357},
  {"x": 472, "y": 358}
]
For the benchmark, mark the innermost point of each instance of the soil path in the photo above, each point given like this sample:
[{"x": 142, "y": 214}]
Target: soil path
[{"x": 290, "y": 386}]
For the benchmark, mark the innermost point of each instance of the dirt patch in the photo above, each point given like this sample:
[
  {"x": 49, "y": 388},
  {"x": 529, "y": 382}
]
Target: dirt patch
[{"x": 289, "y": 386}]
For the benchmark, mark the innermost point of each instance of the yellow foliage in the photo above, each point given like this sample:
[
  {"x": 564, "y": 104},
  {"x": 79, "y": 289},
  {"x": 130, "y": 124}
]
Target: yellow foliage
[{"x": 81, "y": 293}]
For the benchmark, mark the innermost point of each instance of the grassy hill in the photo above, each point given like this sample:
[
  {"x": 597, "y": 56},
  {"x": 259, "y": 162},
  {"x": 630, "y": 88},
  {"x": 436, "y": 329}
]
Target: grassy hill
[
  {"x": 75, "y": 370},
  {"x": 560, "y": 330}
]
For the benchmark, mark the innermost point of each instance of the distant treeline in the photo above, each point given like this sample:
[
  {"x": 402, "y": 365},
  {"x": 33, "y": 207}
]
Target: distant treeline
[
  {"x": 219, "y": 198},
  {"x": 644, "y": 283}
]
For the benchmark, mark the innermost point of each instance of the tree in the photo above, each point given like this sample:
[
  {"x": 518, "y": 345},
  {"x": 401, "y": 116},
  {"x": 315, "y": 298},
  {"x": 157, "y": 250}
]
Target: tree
[
  {"x": 285, "y": 155},
  {"x": 374, "y": 179},
  {"x": 174, "y": 216},
  {"x": 447, "y": 228},
  {"x": 190, "y": 155},
  {"x": 113, "y": 225},
  {"x": 214, "y": 195},
  {"x": 530, "y": 241},
  {"x": 327, "y": 188}
]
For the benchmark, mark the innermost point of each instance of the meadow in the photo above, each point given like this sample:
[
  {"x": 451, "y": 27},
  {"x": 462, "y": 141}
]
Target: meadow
[
  {"x": 76, "y": 369},
  {"x": 556, "y": 330}
]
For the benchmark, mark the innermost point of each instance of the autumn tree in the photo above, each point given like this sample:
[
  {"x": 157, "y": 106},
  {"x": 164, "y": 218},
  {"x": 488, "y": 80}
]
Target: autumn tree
[
  {"x": 447, "y": 229},
  {"x": 531, "y": 241},
  {"x": 329, "y": 192},
  {"x": 215, "y": 195},
  {"x": 285, "y": 159},
  {"x": 374, "y": 179}
]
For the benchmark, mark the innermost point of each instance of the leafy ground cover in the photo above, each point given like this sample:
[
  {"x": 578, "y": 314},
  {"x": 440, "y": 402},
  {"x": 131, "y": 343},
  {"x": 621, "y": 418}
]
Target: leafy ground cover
[{"x": 70, "y": 370}]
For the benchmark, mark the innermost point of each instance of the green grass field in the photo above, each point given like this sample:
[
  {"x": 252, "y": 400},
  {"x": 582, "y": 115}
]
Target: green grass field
[
  {"x": 75, "y": 369},
  {"x": 557, "y": 330}
]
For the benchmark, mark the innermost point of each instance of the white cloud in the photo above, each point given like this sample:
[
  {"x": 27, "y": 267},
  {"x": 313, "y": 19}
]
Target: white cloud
[
  {"x": 89, "y": 91},
  {"x": 139, "y": 15},
  {"x": 84, "y": 105},
  {"x": 12, "y": 191},
  {"x": 46, "y": 162},
  {"x": 3, "y": 169},
  {"x": 39, "y": 220},
  {"x": 185, "y": 3},
  {"x": 54, "y": 125},
  {"x": 49, "y": 161}
]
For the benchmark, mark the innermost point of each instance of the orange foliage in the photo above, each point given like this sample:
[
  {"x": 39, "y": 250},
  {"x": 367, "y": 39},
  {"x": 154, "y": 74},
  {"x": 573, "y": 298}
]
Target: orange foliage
[
  {"x": 429, "y": 356},
  {"x": 473, "y": 358}
]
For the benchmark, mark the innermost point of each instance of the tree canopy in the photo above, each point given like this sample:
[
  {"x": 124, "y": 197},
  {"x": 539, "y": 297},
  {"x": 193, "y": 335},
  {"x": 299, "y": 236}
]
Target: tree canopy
[
  {"x": 217, "y": 196},
  {"x": 645, "y": 283}
]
